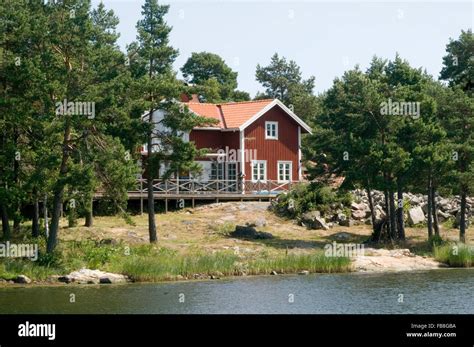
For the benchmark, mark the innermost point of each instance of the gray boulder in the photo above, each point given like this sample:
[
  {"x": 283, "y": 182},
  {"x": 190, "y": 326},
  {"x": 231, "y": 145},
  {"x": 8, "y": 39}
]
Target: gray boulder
[
  {"x": 313, "y": 220},
  {"x": 415, "y": 215},
  {"x": 87, "y": 276},
  {"x": 22, "y": 279}
]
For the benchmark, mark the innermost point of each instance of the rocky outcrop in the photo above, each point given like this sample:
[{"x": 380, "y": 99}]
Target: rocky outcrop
[
  {"x": 359, "y": 211},
  {"x": 384, "y": 260},
  {"x": 87, "y": 276}
]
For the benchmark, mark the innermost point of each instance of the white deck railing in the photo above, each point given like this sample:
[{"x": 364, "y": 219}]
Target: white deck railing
[{"x": 194, "y": 186}]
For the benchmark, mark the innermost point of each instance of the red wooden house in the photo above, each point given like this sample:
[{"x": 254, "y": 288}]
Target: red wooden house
[{"x": 254, "y": 143}]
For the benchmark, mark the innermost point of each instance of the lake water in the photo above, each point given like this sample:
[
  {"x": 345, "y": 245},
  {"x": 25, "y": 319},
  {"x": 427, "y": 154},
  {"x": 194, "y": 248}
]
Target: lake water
[{"x": 437, "y": 291}]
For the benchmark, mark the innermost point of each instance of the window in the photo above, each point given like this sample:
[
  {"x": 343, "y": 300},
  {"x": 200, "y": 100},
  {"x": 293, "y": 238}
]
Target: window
[
  {"x": 259, "y": 170},
  {"x": 217, "y": 171},
  {"x": 284, "y": 171},
  {"x": 271, "y": 130}
]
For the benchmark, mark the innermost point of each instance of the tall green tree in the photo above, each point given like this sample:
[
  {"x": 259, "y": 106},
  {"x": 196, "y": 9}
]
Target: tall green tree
[
  {"x": 214, "y": 79},
  {"x": 282, "y": 79},
  {"x": 157, "y": 92},
  {"x": 458, "y": 63}
]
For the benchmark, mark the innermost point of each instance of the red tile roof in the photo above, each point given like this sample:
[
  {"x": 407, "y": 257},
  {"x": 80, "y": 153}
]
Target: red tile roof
[{"x": 230, "y": 115}]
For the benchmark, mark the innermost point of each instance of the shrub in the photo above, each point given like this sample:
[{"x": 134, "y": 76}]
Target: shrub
[{"x": 307, "y": 197}]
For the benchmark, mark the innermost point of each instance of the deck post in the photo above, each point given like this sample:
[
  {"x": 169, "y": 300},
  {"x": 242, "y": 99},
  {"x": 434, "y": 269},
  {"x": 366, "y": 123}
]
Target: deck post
[
  {"x": 192, "y": 201},
  {"x": 166, "y": 205}
]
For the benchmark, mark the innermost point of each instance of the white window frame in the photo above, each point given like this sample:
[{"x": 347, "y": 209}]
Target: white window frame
[
  {"x": 284, "y": 162},
  {"x": 264, "y": 162},
  {"x": 271, "y": 137}
]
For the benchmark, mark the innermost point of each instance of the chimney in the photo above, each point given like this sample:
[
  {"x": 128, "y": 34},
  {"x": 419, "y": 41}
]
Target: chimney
[{"x": 194, "y": 98}]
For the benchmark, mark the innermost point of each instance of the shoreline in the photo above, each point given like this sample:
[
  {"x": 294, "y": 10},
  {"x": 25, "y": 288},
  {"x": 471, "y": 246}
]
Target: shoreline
[
  {"x": 355, "y": 268},
  {"x": 235, "y": 277}
]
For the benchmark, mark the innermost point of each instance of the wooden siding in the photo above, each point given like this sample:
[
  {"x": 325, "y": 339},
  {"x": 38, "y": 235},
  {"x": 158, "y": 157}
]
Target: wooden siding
[{"x": 283, "y": 149}]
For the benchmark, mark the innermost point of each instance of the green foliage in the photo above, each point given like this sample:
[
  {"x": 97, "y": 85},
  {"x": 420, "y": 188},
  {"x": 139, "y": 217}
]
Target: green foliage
[
  {"x": 212, "y": 78},
  {"x": 223, "y": 229},
  {"x": 308, "y": 197},
  {"x": 283, "y": 80},
  {"x": 458, "y": 64},
  {"x": 455, "y": 255}
]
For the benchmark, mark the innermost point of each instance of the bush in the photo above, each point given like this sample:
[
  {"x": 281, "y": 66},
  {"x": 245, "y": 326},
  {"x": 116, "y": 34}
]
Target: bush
[{"x": 308, "y": 197}]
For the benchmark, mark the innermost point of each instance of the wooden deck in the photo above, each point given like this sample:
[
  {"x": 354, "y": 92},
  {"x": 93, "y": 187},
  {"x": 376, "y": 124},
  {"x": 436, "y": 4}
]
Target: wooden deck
[{"x": 190, "y": 189}]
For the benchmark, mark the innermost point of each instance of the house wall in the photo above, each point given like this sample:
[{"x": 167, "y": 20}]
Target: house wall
[{"x": 284, "y": 149}]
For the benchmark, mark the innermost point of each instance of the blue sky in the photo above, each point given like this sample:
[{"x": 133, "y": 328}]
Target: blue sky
[{"x": 324, "y": 38}]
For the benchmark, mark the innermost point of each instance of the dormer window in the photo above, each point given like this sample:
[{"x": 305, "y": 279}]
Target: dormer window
[{"x": 271, "y": 130}]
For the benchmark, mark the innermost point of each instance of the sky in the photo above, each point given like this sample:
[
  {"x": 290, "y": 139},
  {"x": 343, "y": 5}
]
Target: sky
[{"x": 323, "y": 38}]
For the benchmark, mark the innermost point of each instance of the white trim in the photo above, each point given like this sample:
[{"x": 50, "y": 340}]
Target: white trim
[
  {"x": 278, "y": 170},
  {"x": 270, "y": 106},
  {"x": 242, "y": 157},
  {"x": 264, "y": 171},
  {"x": 267, "y": 137},
  {"x": 300, "y": 164}
]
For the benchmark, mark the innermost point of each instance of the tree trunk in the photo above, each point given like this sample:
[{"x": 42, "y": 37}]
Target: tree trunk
[
  {"x": 16, "y": 224},
  {"x": 462, "y": 220},
  {"x": 434, "y": 208},
  {"x": 430, "y": 210},
  {"x": 89, "y": 213},
  {"x": 35, "y": 220},
  {"x": 400, "y": 214},
  {"x": 59, "y": 191},
  {"x": 150, "y": 176},
  {"x": 46, "y": 221},
  {"x": 387, "y": 212},
  {"x": 5, "y": 222},
  {"x": 371, "y": 206},
  {"x": 393, "y": 220}
]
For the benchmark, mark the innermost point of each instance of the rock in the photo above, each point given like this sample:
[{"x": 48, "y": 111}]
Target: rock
[
  {"x": 87, "y": 276},
  {"x": 248, "y": 232},
  {"x": 304, "y": 272},
  {"x": 22, "y": 279},
  {"x": 347, "y": 222},
  {"x": 341, "y": 236},
  {"x": 358, "y": 214},
  {"x": 359, "y": 206},
  {"x": 313, "y": 220},
  {"x": 443, "y": 216},
  {"x": 316, "y": 224},
  {"x": 260, "y": 222},
  {"x": 415, "y": 215},
  {"x": 108, "y": 242}
]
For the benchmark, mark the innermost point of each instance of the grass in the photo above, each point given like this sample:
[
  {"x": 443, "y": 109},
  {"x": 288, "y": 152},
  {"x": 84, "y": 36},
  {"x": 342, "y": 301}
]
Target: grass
[
  {"x": 148, "y": 263},
  {"x": 292, "y": 263},
  {"x": 455, "y": 255},
  {"x": 167, "y": 265}
]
